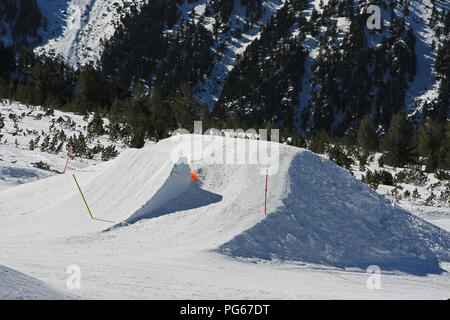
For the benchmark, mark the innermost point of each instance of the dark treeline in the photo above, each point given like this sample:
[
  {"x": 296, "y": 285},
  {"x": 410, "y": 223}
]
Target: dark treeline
[
  {"x": 143, "y": 113},
  {"x": 22, "y": 19}
]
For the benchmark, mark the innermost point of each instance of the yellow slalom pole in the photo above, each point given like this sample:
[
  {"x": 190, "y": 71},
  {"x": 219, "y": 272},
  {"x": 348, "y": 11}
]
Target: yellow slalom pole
[{"x": 83, "y": 196}]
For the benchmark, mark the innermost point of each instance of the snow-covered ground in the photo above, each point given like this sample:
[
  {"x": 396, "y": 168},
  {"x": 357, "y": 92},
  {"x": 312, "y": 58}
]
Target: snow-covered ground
[
  {"x": 435, "y": 210},
  {"x": 158, "y": 235},
  {"x": 24, "y": 123}
]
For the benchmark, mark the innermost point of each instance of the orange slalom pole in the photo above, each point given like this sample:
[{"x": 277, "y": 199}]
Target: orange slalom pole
[
  {"x": 265, "y": 196},
  {"x": 67, "y": 162}
]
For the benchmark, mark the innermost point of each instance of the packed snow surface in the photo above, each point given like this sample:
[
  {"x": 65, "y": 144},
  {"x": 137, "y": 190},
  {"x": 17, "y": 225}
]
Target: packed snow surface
[
  {"x": 157, "y": 234},
  {"x": 18, "y": 286}
]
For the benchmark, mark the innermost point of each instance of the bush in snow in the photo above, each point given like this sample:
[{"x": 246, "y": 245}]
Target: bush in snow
[
  {"x": 109, "y": 153},
  {"x": 412, "y": 176},
  {"x": 431, "y": 199},
  {"x": 95, "y": 127},
  {"x": 41, "y": 165},
  {"x": 415, "y": 194},
  {"x": 338, "y": 156},
  {"x": 373, "y": 179},
  {"x": 442, "y": 175}
]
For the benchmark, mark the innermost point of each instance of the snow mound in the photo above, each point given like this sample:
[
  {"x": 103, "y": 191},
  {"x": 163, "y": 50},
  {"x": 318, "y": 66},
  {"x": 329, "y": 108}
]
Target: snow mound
[
  {"x": 317, "y": 212},
  {"x": 330, "y": 218},
  {"x": 18, "y": 286}
]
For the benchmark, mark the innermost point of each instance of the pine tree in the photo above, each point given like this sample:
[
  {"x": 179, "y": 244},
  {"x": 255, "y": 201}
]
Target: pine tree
[
  {"x": 367, "y": 136},
  {"x": 398, "y": 144},
  {"x": 59, "y": 147},
  {"x": 442, "y": 68},
  {"x": 7, "y": 62},
  {"x": 45, "y": 143},
  {"x": 444, "y": 157},
  {"x": 53, "y": 144},
  {"x": 430, "y": 137},
  {"x": 319, "y": 142},
  {"x": 31, "y": 144},
  {"x": 137, "y": 139},
  {"x": 185, "y": 107},
  {"x": 2, "y": 121},
  {"x": 92, "y": 90},
  {"x": 95, "y": 127},
  {"x": 161, "y": 116}
]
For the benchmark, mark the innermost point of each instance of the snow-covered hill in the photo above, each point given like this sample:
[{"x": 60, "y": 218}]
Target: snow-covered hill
[
  {"x": 157, "y": 234},
  {"x": 18, "y": 286},
  {"x": 361, "y": 227}
]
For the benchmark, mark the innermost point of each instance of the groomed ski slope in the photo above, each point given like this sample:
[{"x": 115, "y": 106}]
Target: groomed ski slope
[{"x": 159, "y": 235}]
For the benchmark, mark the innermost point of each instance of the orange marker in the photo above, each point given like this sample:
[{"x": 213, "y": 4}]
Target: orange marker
[{"x": 194, "y": 176}]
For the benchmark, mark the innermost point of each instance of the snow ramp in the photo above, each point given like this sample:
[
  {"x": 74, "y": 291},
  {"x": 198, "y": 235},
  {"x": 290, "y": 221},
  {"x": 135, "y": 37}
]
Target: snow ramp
[
  {"x": 115, "y": 191},
  {"x": 327, "y": 217},
  {"x": 317, "y": 212},
  {"x": 178, "y": 193}
]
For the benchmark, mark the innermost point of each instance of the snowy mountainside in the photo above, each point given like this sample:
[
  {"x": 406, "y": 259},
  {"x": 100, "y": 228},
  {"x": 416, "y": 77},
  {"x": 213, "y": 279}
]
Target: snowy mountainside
[
  {"x": 235, "y": 44},
  {"x": 425, "y": 85},
  {"x": 77, "y": 27},
  {"x": 420, "y": 193}
]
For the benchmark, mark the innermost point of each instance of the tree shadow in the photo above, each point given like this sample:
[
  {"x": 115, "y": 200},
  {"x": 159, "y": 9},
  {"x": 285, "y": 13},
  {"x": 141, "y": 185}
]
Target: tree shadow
[{"x": 17, "y": 173}]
